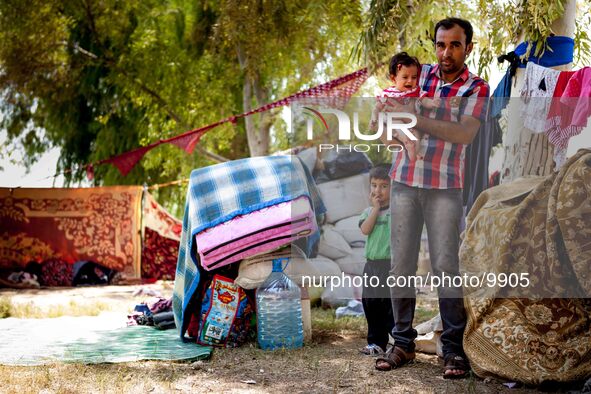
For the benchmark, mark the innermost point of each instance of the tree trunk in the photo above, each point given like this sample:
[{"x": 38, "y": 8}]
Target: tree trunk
[
  {"x": 258, "y": 137},
  {"x": 528, "y": 153},
  {"x": 265, "y": 118}
]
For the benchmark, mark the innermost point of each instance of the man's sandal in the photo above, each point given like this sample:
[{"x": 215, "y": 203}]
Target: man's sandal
[
  {"x": 395, "y": 357},
  {"x": 455, "y": 362}
]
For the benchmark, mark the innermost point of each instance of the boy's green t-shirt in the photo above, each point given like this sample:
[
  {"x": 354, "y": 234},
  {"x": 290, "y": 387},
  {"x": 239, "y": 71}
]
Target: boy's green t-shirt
[{"x": 377, "y": 246}]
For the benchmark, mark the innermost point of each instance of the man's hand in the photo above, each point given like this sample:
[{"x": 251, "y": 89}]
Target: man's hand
[
  {"x": 462, "y": 132},
  {"x": 395, "y": 106},
  {"x": 430, "y": 102}
]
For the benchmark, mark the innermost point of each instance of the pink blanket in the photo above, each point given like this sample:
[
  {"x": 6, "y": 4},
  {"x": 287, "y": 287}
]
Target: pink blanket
[{"x": 255, "y": 233}]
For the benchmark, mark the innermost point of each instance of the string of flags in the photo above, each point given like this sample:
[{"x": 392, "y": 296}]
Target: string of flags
[{"x": 338, "y": 90}]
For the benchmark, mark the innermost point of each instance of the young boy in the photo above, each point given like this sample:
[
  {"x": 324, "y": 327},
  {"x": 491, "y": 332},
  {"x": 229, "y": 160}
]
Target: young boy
[
  {"x": 375, "y": 223},
  {"x": 404, "y": 74}
]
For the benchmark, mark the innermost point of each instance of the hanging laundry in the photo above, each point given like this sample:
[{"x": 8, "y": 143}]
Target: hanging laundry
[
  {"x": 529, "y": 152},
  {"x": 560, "y": 53},
  {"x": 570, "y": 108},
  {"x": 558, "y": 129},
  {"x": 537, "y": 101},
  {"x": 576, "y": 96},
  {"x": 501, "y": 95},
  {"x": 559, "y": 50},
  {"x": 477, "y": 159}
]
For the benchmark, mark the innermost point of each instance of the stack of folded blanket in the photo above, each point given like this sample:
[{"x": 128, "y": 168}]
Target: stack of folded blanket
[
  {"x": 239, "y": 209},
  {"x": 256, "y": 232}
]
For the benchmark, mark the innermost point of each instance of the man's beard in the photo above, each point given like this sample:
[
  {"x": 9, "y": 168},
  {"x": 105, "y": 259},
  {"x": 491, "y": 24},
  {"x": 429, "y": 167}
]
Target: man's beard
[{"x": 451, "y": 68}]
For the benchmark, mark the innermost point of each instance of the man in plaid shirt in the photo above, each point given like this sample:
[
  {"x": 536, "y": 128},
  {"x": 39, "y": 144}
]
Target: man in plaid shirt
[{"x": 429, "y": 191}]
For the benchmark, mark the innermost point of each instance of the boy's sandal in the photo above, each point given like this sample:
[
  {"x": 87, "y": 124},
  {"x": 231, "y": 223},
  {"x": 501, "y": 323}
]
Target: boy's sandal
[
  {"x": 395, "y": 357},
  {"x": 455, "y": 362},
  {"x": 371, "y": 350}
]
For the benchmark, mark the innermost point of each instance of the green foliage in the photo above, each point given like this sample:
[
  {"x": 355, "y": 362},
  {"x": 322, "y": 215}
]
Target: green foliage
[
  {"x": 394, "y": 25},
  {"x": 508, "y": 23},
  {"x": 582, "y": 38},
  {"x": 100, "y": 78}
]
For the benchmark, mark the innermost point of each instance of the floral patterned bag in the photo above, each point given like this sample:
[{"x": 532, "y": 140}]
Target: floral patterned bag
[{"x": 226, "y": 316}]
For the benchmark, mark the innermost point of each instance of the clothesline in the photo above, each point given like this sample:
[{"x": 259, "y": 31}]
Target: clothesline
[{"x": 171, "y": 183}]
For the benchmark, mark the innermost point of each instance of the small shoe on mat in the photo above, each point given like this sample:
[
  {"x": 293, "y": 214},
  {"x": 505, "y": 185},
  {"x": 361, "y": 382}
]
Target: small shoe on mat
[{"x": 371, "y": 350}]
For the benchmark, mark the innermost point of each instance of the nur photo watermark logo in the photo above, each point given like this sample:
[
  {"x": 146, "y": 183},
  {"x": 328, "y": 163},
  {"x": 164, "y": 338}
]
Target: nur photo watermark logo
[{"x": 351, "y": 129}]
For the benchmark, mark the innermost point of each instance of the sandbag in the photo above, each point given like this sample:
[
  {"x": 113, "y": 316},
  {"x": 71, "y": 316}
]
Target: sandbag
[
  {"x": 434, "y": 324},
  {"x": 253, "y": 271},
  {"x": 344, "y": 164},
  {"x": 429, "y": 343},
  {"x": 309, "y": 157},
  {"x": 341, "y": 294},
  {"x": 326, "y": 266},
  {"x": 332, "y": 244},
  {"x": 349, "y": 229},
  {"x": 354, "y": 262},
  {"x": 345, "y": 197}
]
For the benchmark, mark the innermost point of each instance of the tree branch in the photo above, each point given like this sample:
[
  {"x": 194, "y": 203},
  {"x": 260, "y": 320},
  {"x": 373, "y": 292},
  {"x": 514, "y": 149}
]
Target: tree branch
[{"x": 163, "y": 104}]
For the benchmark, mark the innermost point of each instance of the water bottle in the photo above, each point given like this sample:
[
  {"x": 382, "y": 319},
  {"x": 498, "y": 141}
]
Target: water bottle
[{"x": 279, "y": 311}]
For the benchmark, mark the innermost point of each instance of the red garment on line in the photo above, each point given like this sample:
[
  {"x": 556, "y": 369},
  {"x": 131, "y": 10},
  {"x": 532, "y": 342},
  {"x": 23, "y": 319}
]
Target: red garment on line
[{"x": 570, "y": 107}]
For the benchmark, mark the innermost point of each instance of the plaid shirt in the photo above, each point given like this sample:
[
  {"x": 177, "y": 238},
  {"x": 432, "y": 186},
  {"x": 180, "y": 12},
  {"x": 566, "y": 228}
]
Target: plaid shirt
[{"x": 442, "y": 165}]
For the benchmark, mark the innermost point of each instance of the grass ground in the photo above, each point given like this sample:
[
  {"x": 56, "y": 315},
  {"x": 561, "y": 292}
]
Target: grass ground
[
  {"x": 31, "y": 311},
  {"x": 330, "y": 362}
]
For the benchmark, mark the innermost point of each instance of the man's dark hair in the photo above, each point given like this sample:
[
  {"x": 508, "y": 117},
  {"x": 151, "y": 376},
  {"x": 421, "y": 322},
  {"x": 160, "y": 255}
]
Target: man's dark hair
[
  {"x": 379, "y": 172},
  {"x": 448, "y": 23},
  {"x": 403, "y": 59}
]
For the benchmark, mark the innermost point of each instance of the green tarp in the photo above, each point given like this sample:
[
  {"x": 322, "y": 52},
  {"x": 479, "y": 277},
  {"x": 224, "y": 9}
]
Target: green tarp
[{"x": 90, "y": 340}]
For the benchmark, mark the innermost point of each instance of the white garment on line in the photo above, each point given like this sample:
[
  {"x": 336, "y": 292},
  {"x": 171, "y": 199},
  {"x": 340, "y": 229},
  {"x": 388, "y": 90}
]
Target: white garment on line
[{"x": 537, "y": 101}]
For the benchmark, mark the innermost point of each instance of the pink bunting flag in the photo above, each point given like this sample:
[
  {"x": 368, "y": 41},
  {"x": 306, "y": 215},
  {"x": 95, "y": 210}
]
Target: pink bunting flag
[
  {"x": 188, "y": 141},
  {"x": 126, "y": 161},
  {"x": 90, "y": 172}
]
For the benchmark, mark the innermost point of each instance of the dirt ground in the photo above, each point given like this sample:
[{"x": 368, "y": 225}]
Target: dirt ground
[
  {"x": 329, "y": 362},
  {"x": 113, "y": 298}
]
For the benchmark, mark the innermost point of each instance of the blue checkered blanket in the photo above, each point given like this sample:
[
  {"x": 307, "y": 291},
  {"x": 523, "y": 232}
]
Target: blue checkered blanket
[{"x": 220, "y": 192}]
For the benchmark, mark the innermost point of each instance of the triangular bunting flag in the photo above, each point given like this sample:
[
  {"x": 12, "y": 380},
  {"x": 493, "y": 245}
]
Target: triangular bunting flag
[{"x": 126, "y": 161}]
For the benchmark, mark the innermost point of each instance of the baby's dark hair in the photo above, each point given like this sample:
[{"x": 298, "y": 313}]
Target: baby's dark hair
[
  {"x": 403, "y": 59},
  {"x": 379, "y": 172}
]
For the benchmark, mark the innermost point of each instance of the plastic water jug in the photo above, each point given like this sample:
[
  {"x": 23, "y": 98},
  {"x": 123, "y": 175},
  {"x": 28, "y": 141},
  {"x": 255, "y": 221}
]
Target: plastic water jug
[{"x": 279, "y": 311}]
